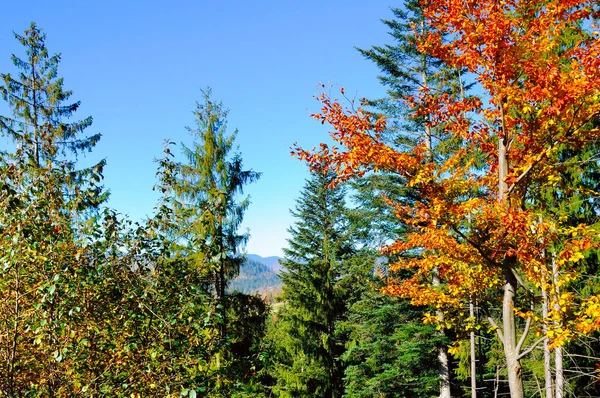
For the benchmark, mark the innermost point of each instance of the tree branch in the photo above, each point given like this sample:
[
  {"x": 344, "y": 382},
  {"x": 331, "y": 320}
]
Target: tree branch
[
  {"x": 474, "y": 245},
  {"x": 498, "y": 331},
  {"x": 524, "y": 335},
  {"x": 526, "y": 352}
]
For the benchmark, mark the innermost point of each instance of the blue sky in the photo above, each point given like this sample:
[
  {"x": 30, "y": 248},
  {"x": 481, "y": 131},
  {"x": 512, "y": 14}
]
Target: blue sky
[{"x": 138, "y": 66}]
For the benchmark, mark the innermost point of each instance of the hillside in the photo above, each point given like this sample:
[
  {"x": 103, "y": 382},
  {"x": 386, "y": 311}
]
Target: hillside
[
  {"x": 273, "y": 262},
  {"x": 257, "y": 277}
]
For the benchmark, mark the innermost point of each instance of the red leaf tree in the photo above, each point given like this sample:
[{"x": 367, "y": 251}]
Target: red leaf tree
[{"x": 478, "y": 220}]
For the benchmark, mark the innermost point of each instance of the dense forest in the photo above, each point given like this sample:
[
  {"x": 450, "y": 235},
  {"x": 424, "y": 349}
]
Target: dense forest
[{"x": 446, "y": 246}]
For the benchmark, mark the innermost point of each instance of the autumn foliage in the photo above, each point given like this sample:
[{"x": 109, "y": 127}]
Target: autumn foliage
[{"x": 478, "y": 218}]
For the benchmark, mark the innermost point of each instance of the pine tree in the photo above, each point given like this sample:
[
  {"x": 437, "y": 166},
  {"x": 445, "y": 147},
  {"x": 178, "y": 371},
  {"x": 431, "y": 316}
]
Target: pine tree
[{"x": 308, "y": 362}]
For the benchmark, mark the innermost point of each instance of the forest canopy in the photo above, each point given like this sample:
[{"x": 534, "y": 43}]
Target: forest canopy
[{"x": 445, "y": 243}]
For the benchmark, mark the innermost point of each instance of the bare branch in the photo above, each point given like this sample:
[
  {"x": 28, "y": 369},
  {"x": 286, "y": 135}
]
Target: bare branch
[
  {"x": 498, "y": 331},
  {"x": 524, "y": 335},
  {"x": 526, "y": 352}
]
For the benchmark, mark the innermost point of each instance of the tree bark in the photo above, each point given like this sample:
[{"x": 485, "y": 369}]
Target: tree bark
[
  {"x": 511, "y": 349},
  {"x": 444, "y": 369},
  {"x": 558, "y": 352},
  {"x": 473, "y": 359},
  {"x": 549, "y": 387},
  {"x": 547, "y": 356}
]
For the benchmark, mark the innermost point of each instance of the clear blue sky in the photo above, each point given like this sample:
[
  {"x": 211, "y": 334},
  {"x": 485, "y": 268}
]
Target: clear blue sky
[{"x": 138, "y": 66}]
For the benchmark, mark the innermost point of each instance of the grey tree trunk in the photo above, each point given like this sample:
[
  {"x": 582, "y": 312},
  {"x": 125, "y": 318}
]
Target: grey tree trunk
[
  {"x": 549, "y": 387},
  {"x": 511, "y": 349},
  {"x": 547, "y": 356},
  {"x": 444, "y": 369},
  {"x": 558, "y": 352},
  {"x": 473, "y": 358}
]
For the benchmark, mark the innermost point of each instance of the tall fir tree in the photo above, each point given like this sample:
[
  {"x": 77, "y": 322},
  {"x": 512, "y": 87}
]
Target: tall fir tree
[
  {"x": 45, "y": 139},
  {"x": 207, "y": 212},
  {"x": 308, "y": 354},
  {"x": 207, "y": 206},
  {"x": 406, "y": 71}
]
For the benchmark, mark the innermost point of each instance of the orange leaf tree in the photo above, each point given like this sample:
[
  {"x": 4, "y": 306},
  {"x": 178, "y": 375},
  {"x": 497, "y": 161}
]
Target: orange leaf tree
[{"x": 484, "y": 228}]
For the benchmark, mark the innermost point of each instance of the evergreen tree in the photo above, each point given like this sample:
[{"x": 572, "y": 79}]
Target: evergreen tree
[
  {"x": 390, "y": 352},
  {"x": 44, "y": 138},
  {"x": 207, "y": 207},
  {"x": 308, "y": 353},
  {"x": 206, "y": 213},
  {"x": 405, "y": 71}
]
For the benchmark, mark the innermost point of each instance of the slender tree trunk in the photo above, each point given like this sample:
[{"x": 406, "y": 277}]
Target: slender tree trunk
[
  {"x": 558, "y": 352},
  {"x": 545, "y": 309},
  {"x": 547, "y": 356},
  {"x": 497, "y": 382},
  {"x": 36, "y": 133},
  {"x": 473, "y": 358},
  {"x": 15, "y": 336},
  {"x": 560, "y": 379},
  {"x": 511, "y": 351},
  {"x": 444, "y": 369}
]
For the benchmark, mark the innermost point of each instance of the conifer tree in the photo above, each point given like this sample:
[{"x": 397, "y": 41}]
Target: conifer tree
[
  {"x": 406, "y": 71},
  {"x": 390, "y": 352},
  {"x": 206, "y": 212},
  {"x": 45, "y": 139},
  {"x": 308, "y": 357},
  {"x": 206, "y": 197}
]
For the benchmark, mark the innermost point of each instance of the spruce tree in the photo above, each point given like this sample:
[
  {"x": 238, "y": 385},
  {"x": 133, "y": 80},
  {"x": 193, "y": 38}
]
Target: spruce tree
[
  {"x": 405, "y": 71},
  {"x": 206, "y": 190},
  {"x": 207, "y": 211},
  {"x": 46, "y": 140},
  {"x": 308, "y": 354},
  {"x": 390, "y": 352}
]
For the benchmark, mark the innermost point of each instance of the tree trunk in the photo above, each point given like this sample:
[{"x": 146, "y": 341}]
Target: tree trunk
[
  {"x": 511, "y": 349},
  {"x": 511, "y": 352},
  {"x": 12, "y": 365},
  {"x": 545, "y": 310},
  {"x": 560, "y": 379},
  {"x": 547, "y": 357},
  {"x": 558, "y": 353},
  {"x": 473, "y": 359},
  {"x": 444, "y": 369}
]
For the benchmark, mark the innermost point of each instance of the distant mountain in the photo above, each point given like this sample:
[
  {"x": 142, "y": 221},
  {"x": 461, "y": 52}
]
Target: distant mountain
[
  {"x": 273, "y": 262},
  {"x": 256, "y": 277}
]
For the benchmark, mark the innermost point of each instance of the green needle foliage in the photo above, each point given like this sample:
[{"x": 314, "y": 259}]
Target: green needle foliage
[
  {"x": 200, "y": 218},
  {"x": 390, "y": 352},
  {"x": 45, "y": 139},
  {"x": 206, "y": 193},
  {"x": 308, "y": 355}
]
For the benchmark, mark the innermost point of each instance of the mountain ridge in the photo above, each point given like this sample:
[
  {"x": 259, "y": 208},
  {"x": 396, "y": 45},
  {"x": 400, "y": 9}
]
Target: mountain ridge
[
  {"x": 273, "y": 262},
  {"x": 258, "y": 275}
]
